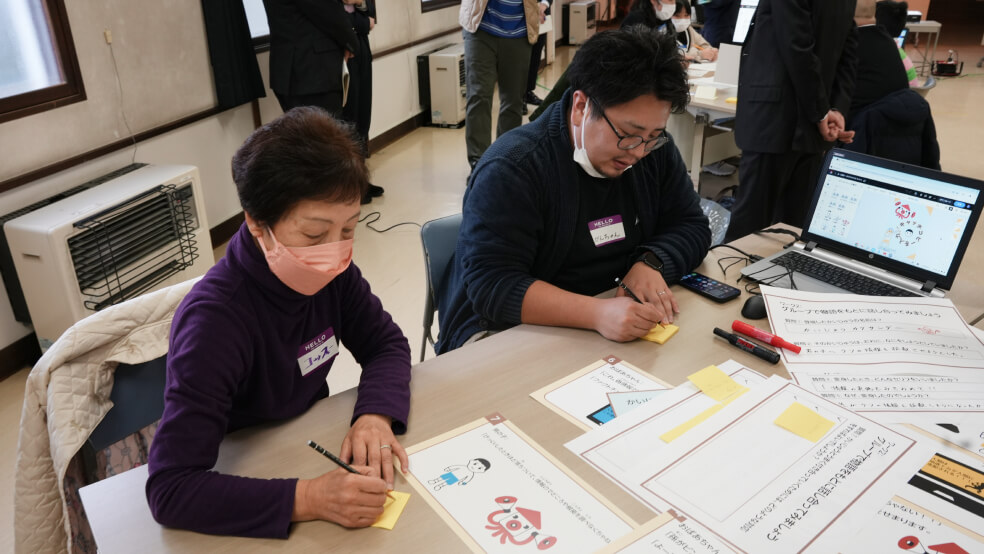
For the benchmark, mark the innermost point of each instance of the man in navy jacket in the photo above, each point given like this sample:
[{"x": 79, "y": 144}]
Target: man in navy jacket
[{"x": 592, "y": 190}]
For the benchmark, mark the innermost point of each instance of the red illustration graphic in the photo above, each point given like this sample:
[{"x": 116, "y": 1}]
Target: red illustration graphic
[
  {"x": 930, "y": 331},
  {"x": 904, "y": 211},
  {"x": 910, "y": 542},
  {"x": 518, "y": 525}
]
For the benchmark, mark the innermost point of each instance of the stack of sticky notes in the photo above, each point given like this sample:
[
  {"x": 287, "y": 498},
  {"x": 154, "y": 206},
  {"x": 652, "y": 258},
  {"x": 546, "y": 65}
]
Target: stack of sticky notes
[{"x": 661, "y": 333}]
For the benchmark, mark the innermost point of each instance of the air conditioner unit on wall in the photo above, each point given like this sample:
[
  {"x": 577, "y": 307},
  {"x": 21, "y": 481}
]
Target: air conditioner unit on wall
[
  {"x": 448, "y": 92},
  {"x": 136, "y": 233}
]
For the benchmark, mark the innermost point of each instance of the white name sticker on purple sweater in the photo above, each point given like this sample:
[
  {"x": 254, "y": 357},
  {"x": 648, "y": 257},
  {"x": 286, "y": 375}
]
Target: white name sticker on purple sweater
[
  {"x": 317, "y": 351},
  {"x": 607, "y": 230}
]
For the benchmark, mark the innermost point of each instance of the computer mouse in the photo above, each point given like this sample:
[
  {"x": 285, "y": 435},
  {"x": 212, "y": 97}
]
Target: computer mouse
[{"x": 754, "y": 308}]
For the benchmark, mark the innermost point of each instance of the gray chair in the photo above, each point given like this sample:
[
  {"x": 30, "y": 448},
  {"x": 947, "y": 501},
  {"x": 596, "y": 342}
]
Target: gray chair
[
  {"x": 718, "y": 218},
  {"x": 439, "y": 237}
]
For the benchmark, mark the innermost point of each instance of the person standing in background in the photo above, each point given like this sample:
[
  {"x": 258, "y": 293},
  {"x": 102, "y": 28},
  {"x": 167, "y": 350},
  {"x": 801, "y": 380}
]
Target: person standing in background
[
  {"x": 530, "y": 97},
  {"x": 719, "y": 20},
  {"x": 498, "y": 37},
  {"x": 795, "y": 84},
  {"x": 309, "y": 42},
  {"x": 358, "y": 107}
]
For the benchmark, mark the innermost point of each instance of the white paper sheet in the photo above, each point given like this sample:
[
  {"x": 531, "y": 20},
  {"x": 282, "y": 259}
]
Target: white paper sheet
[
  {"x": 899, "y": 528},
  {"x": 968, "y": 435},
  {"x": 764, "y": 489},
  {"x": 615, "y": 450},
  {"x": 847, "y": 333},
  {"x": 582, "y": 398},
  {"x": 624, "y": 402},
  {"x": 498, "y": 489},
  {"x": 949, "y": 483},
  {"x": 923, "y": 399}
]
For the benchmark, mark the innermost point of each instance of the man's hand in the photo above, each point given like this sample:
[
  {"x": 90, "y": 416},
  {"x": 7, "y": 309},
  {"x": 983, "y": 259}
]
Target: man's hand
[
  {"x": 543, "y": 12},
  {"x": 371, "y": 442},
  {"x": 832, "y": 128},
  {"x": 622, "y": 319},
  {"x": 349, "y": 499},
  {"x": 348, "y": 56},
  {"x": 649, "y": 285},
  {"x": 372, "y": 23}
]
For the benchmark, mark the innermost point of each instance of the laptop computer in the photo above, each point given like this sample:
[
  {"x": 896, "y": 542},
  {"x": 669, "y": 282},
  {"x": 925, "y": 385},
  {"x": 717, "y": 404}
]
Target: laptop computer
[{"x": 878, "y": 227}]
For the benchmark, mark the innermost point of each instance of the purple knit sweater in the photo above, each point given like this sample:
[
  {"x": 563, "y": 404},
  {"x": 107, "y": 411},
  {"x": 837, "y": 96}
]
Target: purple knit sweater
[{"x": 239, "y": 343}]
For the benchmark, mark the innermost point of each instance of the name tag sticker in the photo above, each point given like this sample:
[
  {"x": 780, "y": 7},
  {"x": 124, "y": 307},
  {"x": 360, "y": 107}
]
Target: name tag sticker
[
  {"x": 607, "y": 230},
  {"x": 316, "y": 352}
]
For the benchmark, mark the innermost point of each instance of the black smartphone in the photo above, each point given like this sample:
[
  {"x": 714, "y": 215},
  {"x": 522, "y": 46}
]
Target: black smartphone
[{"x": 711, "y": 288}]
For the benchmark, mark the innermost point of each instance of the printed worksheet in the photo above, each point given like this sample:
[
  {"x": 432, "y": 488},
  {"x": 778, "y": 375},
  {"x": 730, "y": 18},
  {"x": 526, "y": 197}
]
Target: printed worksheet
[
  {"x": 501, "y": 492},
  {"x": 614, "y": 449},
  {"x": 873, "y": 335},
  {"x": 968, "y": 435},
  {"x": 922, "y": 399},
  {"x": 668, "y": 532},
  {"x": 582, "y": 397},
  {"x": 781, "y": 470},
  {"x": 902, "y": 527}
]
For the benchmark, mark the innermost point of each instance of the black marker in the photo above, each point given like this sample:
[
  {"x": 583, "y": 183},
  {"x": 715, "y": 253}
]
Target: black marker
[
  {"x": 750, "y": 347},
  {"x": 627, "y": 290}
]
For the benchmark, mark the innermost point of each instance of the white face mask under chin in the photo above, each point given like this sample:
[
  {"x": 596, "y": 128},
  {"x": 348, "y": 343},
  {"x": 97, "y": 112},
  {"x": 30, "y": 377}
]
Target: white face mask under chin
[{"x": 580, "y": 152}]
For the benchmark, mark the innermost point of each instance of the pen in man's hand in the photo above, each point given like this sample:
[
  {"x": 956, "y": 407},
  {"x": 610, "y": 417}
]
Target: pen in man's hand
[{"x": 627, "y": 290}]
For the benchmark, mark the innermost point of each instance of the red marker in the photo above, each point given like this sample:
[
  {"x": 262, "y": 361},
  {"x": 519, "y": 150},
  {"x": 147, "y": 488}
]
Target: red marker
[{"x": 755, "y": 332}]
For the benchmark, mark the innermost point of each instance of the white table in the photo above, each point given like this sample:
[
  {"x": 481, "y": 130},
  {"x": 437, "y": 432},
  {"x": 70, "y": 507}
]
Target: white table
[{"x": 931, "y": 28}]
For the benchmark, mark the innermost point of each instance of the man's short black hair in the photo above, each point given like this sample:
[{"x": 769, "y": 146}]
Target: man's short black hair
[
  {"x": 305, "y": 154},
  {"x": 618, "y": 66}
]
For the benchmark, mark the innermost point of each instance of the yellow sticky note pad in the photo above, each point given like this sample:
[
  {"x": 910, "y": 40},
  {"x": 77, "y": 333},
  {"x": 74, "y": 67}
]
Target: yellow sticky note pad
[
  {"x": 675, "y": 433},
  {"x": 731, "y": 100},
  {"x": 662, "y": 334},
  {"x": 392, "y": 510},
  {"x": 804, "y": 422},
  {"x": 717, "y": 384}
]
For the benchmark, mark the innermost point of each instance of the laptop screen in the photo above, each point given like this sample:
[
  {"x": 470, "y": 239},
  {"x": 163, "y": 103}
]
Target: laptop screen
[{"x": 911, "y": 220}]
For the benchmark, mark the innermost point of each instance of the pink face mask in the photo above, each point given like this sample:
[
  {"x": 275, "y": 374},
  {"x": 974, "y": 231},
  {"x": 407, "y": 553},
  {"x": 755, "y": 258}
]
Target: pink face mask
[{"x": 308, "y": 269}]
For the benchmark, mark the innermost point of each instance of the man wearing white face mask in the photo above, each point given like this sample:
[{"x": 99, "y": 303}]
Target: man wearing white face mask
[
  {"x": 253, "y": 341},
  {"x": 590, "y": 191}
]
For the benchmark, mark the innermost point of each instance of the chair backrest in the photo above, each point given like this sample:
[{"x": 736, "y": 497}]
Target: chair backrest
[
  {"x": 438, "y": 237},
  {"x": 718, "y": 219},
  {"x": 138, "y": 401}
]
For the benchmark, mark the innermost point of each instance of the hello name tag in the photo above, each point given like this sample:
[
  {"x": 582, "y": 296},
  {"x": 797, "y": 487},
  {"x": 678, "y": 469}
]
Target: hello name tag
[
  {"x": 607, "y": 230},
  {"x": 318, "y": 351}
]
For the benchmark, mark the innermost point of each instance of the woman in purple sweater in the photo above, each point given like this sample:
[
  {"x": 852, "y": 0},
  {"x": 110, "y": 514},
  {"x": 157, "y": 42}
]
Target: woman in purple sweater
[{"x": 254, "y": 339}]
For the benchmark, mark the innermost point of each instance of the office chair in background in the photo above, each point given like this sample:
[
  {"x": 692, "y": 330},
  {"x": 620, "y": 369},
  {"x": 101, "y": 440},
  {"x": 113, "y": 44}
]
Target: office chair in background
[{"x": 438, "y": 237}]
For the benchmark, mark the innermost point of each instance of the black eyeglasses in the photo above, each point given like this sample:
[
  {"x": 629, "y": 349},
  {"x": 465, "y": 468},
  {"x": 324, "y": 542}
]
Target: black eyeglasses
[{"x": 629, "y": 142}]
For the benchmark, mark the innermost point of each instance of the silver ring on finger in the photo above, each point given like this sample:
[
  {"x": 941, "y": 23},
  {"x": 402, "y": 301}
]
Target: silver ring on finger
[
  {"x": 382, "y": 446},
  {"x": 661, "y": 293}
]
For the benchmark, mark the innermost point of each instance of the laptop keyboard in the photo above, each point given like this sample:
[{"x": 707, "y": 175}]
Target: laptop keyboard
[{"x": 837, "y": 276}]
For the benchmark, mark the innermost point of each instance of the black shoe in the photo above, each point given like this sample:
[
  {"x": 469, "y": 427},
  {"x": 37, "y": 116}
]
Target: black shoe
[
  {"x": 526, "y": 110},
  {"x": 366, "y": 198},
  {"x": 375, "y": 191},
  {"x": 531, "y": 98}
]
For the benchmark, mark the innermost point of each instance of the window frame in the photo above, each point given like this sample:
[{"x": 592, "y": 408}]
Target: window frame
[{"x": 49, "y": 98}]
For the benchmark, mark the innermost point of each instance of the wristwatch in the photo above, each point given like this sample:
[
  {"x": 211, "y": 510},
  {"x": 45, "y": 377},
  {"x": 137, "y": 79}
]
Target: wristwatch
[{"x": 652, "y": 260}]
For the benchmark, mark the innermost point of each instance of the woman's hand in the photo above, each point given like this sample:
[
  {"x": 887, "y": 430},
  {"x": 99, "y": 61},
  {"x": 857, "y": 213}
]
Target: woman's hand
[
  {"x": 371, "y": 442},
  {"x": 348, "y": 499}
]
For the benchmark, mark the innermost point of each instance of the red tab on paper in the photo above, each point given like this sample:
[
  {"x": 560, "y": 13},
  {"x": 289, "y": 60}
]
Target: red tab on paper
[
  {"x": 676, "y": 516},
  {"x": 612, "y": 359},
  {"x": 495, "y": 418}
]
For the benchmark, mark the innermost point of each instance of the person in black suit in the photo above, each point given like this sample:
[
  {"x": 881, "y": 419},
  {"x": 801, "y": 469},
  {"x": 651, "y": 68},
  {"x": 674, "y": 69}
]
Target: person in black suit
[
  {"x": 309, "y": 42},
  {"x": 795, "y": 83},
  {"x": 719, "y": 20},
  {"x": 358, "y": 107}
]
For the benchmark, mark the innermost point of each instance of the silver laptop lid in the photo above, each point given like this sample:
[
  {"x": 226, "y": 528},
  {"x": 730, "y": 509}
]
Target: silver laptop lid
[{"x": 913, "y": 221}]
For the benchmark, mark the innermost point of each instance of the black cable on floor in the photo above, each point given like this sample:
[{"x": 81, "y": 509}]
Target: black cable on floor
[{"x": 377, "y": 218}]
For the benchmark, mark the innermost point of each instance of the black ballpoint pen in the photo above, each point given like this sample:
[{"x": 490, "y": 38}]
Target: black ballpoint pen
[
  {"x": 627, "y": 290},
  {"x": 332, "y": 457}
]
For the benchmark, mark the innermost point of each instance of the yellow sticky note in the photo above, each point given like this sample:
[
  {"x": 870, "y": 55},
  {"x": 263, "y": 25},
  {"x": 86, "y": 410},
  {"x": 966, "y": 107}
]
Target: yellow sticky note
[
  {"x": 731, "y": 100},
  {"x": 392, "y": 510},
  {"x": 662, "y": 334},
  {"x": 804, "y": 422},
  {"x": 717, "y": 384},
  {"x": 675, "y": 433}
]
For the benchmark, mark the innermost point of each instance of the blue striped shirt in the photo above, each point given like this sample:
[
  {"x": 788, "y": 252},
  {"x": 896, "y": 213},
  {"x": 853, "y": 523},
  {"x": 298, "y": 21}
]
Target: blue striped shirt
[{"x": 504, "y": 18}]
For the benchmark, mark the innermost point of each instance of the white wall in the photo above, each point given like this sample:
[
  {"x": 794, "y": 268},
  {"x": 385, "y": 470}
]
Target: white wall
[{"x": 164, "y": 72}]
